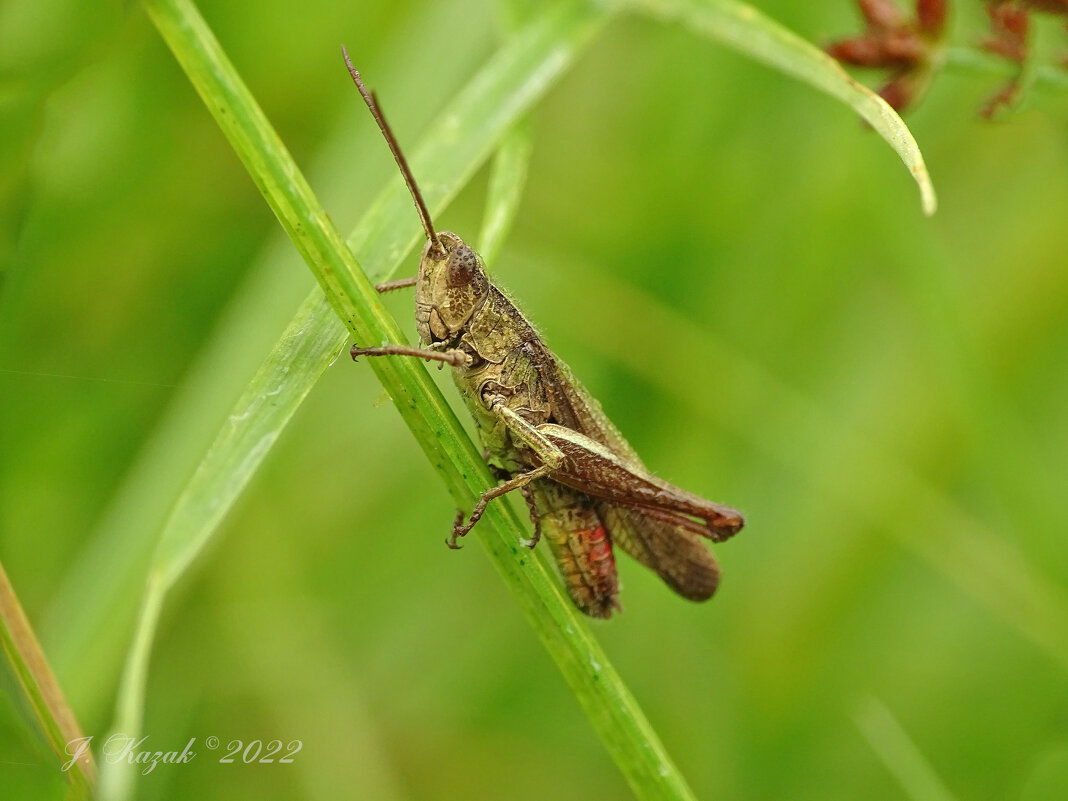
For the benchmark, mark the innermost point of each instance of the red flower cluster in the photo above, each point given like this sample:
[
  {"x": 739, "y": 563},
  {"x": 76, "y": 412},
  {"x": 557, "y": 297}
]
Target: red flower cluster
[
  {"x": 908, "y": 47},
  {"x": 892, "y": 41},
  {"x": 1011, "y": 24}
]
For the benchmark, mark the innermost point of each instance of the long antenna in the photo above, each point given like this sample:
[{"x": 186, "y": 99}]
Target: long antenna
[{"x": 372, "y": 103}]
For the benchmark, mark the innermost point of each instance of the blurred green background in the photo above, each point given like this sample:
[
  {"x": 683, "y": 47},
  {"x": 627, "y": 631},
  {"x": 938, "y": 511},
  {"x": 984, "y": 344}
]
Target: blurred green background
[{"x": 729, "y": 262}]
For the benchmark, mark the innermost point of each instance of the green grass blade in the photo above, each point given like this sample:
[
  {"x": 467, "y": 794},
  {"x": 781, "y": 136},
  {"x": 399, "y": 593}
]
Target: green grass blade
[
  {"x": 40, "y": 688},
  {"x": 895, "y": 749},
  {"x": 511, "y": 162},
  {"x": 744, "y": 28},
  {"x": 614, "y": 713},
  {"x": 507, "y": 179}
]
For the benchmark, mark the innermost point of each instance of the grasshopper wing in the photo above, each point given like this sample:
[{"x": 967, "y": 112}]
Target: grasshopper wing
[
  {"x": 654, "y": 524},
  {"x": 675, "y": 554},
  {"x": 594, "y": 469}
]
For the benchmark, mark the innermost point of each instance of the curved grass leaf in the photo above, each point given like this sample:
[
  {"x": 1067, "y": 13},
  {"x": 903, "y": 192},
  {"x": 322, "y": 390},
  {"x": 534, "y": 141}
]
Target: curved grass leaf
[{"x": 749, "y": 31}]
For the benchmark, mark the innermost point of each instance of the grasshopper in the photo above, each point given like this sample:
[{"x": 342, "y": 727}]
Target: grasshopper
[{"x": 544, "y": 435}]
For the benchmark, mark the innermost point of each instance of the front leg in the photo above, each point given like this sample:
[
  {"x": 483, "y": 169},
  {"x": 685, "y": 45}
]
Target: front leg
[
  {"x": 593, "y": 469},
  {"x": 400, "y": 283},
  {"x": 454, "y": 358}
]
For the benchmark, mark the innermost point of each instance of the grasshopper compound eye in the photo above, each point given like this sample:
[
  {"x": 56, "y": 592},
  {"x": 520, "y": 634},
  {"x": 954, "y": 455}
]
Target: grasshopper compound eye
[{"x": 461, "y": 266}]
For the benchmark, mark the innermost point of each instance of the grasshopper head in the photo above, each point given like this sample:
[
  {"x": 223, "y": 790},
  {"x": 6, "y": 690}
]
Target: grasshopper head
[{"x": 452, "y": 286}]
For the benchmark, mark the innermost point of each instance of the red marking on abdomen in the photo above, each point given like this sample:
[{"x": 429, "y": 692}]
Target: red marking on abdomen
[{"x": 596, "y": 568}]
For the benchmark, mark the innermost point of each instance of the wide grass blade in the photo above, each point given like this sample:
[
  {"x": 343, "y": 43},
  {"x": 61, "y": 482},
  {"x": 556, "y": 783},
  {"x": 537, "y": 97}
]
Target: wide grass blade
[{"x": 87, "y": 627}]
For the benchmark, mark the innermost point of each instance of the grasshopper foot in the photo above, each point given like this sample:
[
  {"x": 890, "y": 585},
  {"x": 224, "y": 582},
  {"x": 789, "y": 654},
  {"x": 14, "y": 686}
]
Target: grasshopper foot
[{"x": 458, "y": 530}]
